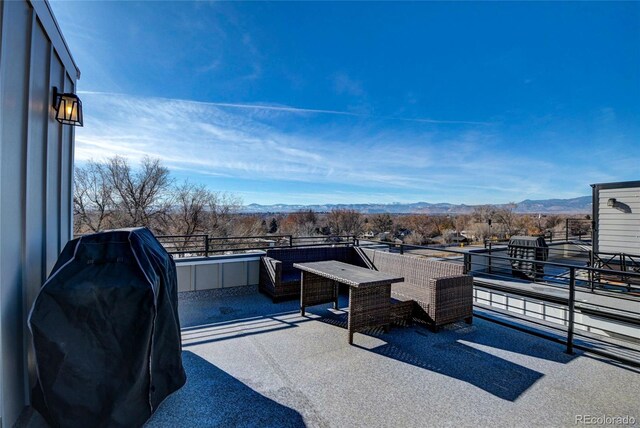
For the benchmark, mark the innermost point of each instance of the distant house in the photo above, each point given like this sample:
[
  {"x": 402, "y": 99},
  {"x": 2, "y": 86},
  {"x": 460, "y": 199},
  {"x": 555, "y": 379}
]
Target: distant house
[
  {"x": 616, "y": 218},
  {"x": 459, "y": 239}
]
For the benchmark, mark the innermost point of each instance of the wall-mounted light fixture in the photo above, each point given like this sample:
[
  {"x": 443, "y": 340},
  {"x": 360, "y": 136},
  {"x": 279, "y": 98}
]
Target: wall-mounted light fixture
[
  {"x": 620, "y": 206},
  {"x": 68, "y": 108}
]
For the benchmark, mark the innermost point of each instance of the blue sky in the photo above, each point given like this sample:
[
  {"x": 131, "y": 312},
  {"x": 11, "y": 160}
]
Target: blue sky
[{"x": 364, "y": 102}]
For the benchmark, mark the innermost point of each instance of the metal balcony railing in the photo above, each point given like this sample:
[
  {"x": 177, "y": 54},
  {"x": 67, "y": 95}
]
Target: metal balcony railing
[{"x": 204, "y": 246}]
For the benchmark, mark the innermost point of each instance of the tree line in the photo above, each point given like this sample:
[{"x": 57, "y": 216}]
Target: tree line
[{"x": 113, "y": 194}]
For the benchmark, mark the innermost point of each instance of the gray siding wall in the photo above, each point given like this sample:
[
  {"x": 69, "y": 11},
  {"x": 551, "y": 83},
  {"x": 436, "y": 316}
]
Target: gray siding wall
[
  {"x": 36, "y": 175},
  {"x": 618, "y": 231}
]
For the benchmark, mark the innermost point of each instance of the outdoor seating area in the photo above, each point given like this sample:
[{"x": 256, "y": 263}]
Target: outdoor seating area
[
  {"x": 434, "y": 292},
  {"x": 281, "y": 281},
  {"x": 437, "y": 292}
]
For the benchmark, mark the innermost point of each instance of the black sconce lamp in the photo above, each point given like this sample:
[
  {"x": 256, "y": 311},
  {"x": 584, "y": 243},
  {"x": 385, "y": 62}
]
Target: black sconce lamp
[
  {"x": 620, "y": 206},
  {"x": 68, "y": 108}
]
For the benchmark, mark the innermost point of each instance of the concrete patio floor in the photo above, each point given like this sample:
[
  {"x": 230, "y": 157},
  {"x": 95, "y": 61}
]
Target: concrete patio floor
[{"x": 252, "y": 363}]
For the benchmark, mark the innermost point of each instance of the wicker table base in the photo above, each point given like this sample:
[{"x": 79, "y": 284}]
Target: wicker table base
[
  {"x": 369, "y": 292},
  {"x": 369, "y": 308},
  {"x": 316, "y": 290}
]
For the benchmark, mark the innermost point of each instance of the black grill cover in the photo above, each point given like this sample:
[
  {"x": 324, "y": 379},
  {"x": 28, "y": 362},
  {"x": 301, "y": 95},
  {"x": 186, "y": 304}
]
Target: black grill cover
[
  {"x": 531, "y": 248},
  {"x": 106, "y": 332}
]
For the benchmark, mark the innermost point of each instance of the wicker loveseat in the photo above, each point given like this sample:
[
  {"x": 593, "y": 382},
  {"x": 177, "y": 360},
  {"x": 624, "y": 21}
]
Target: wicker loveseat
[
  {"x": 433, "y": 291},
  {"x": 281, "y": 281}
]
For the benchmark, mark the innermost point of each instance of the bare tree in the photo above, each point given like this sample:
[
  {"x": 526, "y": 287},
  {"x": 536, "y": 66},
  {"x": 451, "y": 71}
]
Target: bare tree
[
  {"x": 530, "y": 224},
  {"x": 142, "y": 197},
  {"x": 222, "y": 211},
  {"x": 554, "y": 222},
  {"x": 249, "y": 225},
  {"x": 507, "y": 217},
  {"x": 441, "y": 223},
  {"x": 191, "y": 208},
  {"x": 93, "y": 198},
  {"x": 345, "y": 222},
  {"x": 301, "y": 223},
  {"x": 381, "y": 223},
  {"x": 461, "y": 222},
  {"x": 421, "y": 227},
  {"x": 481, "y": 231},
  {"x": 483, "y": 213}
]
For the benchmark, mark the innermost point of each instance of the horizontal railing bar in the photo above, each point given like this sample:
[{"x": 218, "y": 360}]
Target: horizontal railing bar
[{"x": 479, "y": 254}]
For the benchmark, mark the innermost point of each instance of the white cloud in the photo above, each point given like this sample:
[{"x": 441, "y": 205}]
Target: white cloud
[
  {"x": 373, "y": 162},
  {"x": 309, "y": 111}
]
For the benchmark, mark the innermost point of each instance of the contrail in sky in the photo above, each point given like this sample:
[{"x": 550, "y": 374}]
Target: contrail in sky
[{"x": 305, "y": 110}]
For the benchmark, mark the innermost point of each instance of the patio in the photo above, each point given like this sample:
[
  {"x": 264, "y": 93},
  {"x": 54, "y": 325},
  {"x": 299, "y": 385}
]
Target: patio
[
  {"x": 250, "y": 362},
  {"x": 253, "y": 363}
]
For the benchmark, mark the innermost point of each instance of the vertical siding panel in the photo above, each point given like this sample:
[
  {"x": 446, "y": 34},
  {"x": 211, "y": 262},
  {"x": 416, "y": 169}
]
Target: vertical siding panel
[
  {"x": 71, "y": 171},
  {"x": 15, "y": 69},
  {"x": 65, "y": 176},
  {"x": 2, "y": 79},
  {"x": 52, "y": 231},
  {"x": 39, "y": 106}
]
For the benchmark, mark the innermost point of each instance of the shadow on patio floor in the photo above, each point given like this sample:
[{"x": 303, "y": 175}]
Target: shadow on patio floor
[
  {"x": 463, "y": 352},
  {"x": 212, "y": 398}
]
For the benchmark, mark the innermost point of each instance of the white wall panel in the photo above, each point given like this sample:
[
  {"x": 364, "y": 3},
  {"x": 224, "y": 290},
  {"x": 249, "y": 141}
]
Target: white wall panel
[{"x": 619, "y": 228}]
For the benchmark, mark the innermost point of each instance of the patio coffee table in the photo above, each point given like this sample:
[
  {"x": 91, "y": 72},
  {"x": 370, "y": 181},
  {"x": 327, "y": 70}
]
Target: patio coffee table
[{"x": 369, "y": 292}]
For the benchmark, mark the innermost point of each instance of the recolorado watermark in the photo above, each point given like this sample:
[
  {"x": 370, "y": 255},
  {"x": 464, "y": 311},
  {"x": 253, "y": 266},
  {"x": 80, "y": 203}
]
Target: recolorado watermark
[{"x": 605, "y": 420}]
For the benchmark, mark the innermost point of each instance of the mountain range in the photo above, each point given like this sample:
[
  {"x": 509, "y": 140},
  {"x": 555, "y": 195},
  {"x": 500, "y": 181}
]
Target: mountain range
[{"x": 580, "y": 205}]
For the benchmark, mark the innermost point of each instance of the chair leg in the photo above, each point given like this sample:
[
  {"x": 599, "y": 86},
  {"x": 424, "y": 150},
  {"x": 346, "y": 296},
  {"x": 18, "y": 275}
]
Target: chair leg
[{"x": 469, "y": 320}]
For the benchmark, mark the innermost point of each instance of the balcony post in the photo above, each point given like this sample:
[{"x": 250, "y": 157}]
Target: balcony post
[
  {"x": 571, "y": 308},
  {"x": 490, "y": 261},
  {"x": 467, "y": 263}
]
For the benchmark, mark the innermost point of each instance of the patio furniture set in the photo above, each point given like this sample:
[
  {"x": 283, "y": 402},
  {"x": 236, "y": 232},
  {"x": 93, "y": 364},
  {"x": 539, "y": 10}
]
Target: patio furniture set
[{"x": 384, "y": 288}]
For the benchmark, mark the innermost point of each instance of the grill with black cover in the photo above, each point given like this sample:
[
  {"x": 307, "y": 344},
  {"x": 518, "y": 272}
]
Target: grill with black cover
[
  {"x": 532, "y": 248},
  {"x": 106, "y": 332}
]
